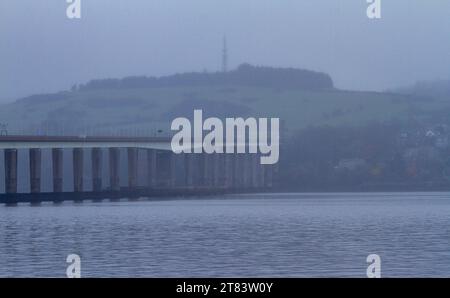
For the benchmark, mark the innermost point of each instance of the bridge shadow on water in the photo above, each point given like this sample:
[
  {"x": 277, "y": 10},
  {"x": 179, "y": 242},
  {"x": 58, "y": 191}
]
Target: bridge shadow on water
[{"x": 108, "y": 195}]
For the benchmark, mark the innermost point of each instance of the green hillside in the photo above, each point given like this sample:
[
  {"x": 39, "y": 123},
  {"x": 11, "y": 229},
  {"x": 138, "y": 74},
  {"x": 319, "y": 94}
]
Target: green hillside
[
  {"x": 154, "y": 108},
  {"x": 147, "y": 105}
]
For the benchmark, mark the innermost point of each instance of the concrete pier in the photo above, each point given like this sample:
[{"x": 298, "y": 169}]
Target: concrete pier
[
  {"x": 57, "y": 167},
  {"x": 220, "y": 168},
  {"x": 78, "y": 169},
  {"x": 208, "y": 172},
  {"x": 114, "y": 160},
  {"x": 247, "y": 171},
  {"x": 268, "y": 176},
  {"x": 10, "y": 171},
  {"x": 132, "y": 167},
  {"x": 256, "y": 171},
  {"x": 216, "y": 170},
  {"x": 97, "y": 165},
  {"x": 202, "y": 169},
  {"x": 238, "y": 171},
  {"x": 35, "y": 170},
  {"x": 164, "y": 169},
  {"x": 228, "y": 170},
  {"x": 172, "y": 169},
  {"x": 261, "y": 175},
  {"x": 151, "y": 167},
  {"x": 189, "y": 170}
]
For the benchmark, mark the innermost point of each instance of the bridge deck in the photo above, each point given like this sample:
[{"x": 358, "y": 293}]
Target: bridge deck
[{"x": 45, "y": 142}]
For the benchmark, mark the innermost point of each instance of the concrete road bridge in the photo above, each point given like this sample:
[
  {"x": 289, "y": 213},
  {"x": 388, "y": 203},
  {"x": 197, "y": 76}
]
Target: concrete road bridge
[{"x": 201, "y": 174}]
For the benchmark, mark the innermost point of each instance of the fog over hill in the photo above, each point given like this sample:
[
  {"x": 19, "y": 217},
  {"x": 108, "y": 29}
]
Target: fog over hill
[
  {"x": 43, "y": 52},
  {"x": 147, "y": 105},
  {"x": 433, "y": 89}
]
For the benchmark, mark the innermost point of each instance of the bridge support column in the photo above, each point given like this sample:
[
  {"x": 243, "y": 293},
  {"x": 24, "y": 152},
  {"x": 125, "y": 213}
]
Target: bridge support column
[
  {"x": 268, "y": 176},
  {"x": 219, "y": 172},
  {"x": 114, "y": 159},
  {"x": 216, "y": 169},
  {"x": 11, "y": 171},
  {"x": 164, "y": 169},
  {"x": 97, "y": 162},
  {"x": 167, "y": 165},
  {"x": 35, "y": 170},
  {"x": 208, "y": 178},
  {"x": 262, "y": 175},
  {"x": 248, "y": 171},
  {"x": 132, "y": 167},
  {"x": 189, "y": 169},
  {"x": 78, "y": 169},
  {"x": 256, "y": 170},
  {"x": 238, "y": 171},
  {"x": 275, "y": 174},
  {"x": 197, "y": 170},
  {"x": 172, "y": 169},
  {"x": 228, "y": 170},
  {"x": 57, "y": 166},
  {"x": 202, "y": 169},
  {"x": 151, "y": 163}
]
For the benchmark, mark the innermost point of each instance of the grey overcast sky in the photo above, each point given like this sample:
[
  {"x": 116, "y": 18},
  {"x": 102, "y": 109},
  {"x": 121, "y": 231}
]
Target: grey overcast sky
[{"x": 43, "y": 51}]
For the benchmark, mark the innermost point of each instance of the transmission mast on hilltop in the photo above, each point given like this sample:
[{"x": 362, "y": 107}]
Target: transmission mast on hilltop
[{"x": 225, "y": 55}]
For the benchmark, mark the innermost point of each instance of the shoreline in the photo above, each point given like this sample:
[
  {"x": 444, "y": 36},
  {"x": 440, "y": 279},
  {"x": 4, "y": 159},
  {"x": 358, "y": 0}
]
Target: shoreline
[{"x": 173, "y": 195}]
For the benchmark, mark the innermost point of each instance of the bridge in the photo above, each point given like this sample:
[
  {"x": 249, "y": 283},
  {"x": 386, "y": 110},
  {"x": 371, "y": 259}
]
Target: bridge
[{"x": 200, "y": 174}]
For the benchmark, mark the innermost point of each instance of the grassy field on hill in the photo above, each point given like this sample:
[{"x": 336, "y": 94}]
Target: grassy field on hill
[{"x": 146, "y": 110}]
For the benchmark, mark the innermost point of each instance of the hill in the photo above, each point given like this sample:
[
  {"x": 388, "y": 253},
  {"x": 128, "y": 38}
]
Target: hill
[
  {"x": 430, "y": 89},
  {"x": 143, "y": 105},
  {"x": 244, "y": 75}
]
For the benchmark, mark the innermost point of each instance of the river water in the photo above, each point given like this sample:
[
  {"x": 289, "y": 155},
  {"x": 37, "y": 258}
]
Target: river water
[{"x": 266, "y": 235}]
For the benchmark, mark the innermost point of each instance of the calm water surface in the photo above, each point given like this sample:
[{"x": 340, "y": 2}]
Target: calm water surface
[{"x": 292, "y": 235}]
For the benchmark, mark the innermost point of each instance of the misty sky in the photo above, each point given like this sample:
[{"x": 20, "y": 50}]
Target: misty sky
[{"x": 43, "y": 51}]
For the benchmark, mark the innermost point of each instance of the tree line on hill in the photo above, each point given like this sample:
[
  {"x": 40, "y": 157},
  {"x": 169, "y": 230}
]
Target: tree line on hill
[{"x": 244, "y": 75}]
